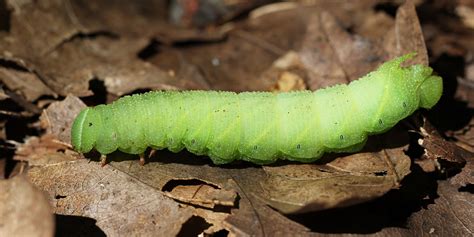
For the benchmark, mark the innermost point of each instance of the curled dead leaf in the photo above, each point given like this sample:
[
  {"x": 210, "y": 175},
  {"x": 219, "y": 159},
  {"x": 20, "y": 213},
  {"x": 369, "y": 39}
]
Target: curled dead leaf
[
  {"x": 199, "y": 193},
  {"x": 46, "y": 149},
  {"x": 437, "y": 148}
]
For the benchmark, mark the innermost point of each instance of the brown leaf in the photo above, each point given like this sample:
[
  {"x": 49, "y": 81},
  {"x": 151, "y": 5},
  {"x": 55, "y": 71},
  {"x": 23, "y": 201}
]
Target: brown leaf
[
  {"x": 342, "y": 182},
  {"x": 24, "y": 210},
  {"x": 28, "y": 37},
  {"x": 436, "y": 147},
  {"x": 25, "y": 83},
  {"x": 333, "y": 56},
  {"x": 249, "y": 50},
  {"x": 203, "y": 194},
  {"x": 215, "y": 219},
  {"x": 358, "y": 178},
  {"x": 466, "y": 176},
  {"x": 67, "y": 44},
  {"x": 253, "y": 216},
  {"x": 42, "y": 150},
  {"x": 70, "y": 67},
  {"x": 450, "y": 215},
  {"x": 187, "y": 75},
  {"x": 33, "y": 20},
  {"x": 375, "y": 25},
  {"x": 22, "y": 102},
  {"x": 57, "y": 119},
  {"x": 120, "y": 204},
  {"x": 407, "y": 36},
  {"x": 286, "y": 74},
  {"x": 79, "y": 49},
  {"x": 149, "y": 20}
]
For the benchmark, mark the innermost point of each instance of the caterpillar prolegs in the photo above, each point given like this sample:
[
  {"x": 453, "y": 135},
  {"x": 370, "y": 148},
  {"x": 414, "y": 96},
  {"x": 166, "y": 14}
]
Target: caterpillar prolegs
[{"x": 260, "y": 127}]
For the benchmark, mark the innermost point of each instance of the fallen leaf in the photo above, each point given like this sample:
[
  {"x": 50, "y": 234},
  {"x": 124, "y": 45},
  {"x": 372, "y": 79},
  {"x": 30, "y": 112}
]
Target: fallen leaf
[
  {"x": 287, "y": 73},
  {"x": 438, "y": 148},
  {"x": 248, "y": 51},
  {"x": 202, "y": 194},
  {"x": 450, "y": 215},
  {"x": 121, "y": 205},
  {"x": 345, "y": 181},
  {"x": 25, "y": 83},
  {"x": 70, "y": 67},
  {"x": 215, "y": 219},
  {"x": 253, "y": 216},
  {"x": 24, "y": 210},
  {"x": 57, "y": 119},
  {"x": 375, "y": 25},
  {"x": 43, "y": 150},
  {"x": 77, "y": 46},
  {"x": 80, "y": 48},
  {"x": 176, "y": 64},
  {"x": 357, "y": 178},
  {"x": 406, "y": 36},
  {"x": 333, "y": 56}
]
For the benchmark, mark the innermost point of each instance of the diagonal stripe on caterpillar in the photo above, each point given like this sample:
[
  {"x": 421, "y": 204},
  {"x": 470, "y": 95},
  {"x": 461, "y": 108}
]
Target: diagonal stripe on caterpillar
[{"x": 260, "y": 127}]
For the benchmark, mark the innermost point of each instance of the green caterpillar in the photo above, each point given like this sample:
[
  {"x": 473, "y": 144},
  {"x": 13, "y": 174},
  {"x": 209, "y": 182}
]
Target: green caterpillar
[{"x": 260, "y": 127}]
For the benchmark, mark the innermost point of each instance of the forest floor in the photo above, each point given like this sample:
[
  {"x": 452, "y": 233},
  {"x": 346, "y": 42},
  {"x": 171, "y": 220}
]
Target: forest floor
[{"x": 57, "y": 57}]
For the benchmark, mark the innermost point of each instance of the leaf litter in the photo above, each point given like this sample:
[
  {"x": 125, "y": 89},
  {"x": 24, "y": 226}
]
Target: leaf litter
[{"x": 180, "y": 192}]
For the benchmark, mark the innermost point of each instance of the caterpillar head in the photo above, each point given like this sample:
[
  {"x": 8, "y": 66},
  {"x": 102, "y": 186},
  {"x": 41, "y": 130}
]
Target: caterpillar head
[
  {"x": 430, "y": 91},
  {"x": 84, "y": 131},
  {"x": 417, "y": 79}
]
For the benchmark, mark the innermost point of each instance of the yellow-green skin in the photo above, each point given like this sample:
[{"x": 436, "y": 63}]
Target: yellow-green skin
[{"x": 260, "y": 127}]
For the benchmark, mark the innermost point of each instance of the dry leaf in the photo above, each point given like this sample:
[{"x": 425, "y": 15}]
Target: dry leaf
[
  {"x": 79, "y": 49},
  {"x": 253, "y": 216},
  {"x": 57, "y": 119},
  {"x": 24, "y": 210},
  {"x": 69, "y": 46},
  {"x": 345, "y": 181},
  {"x": 287, "y": 73},
  {"x": 25, "y": 83},
  {"x": 120, "y": 204},
  {"x": 70, "y": 67},
  {"x": 202, "y": 194},
  {"x": 450, "y": 215},
  {"x": 407, "y": 36}
]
